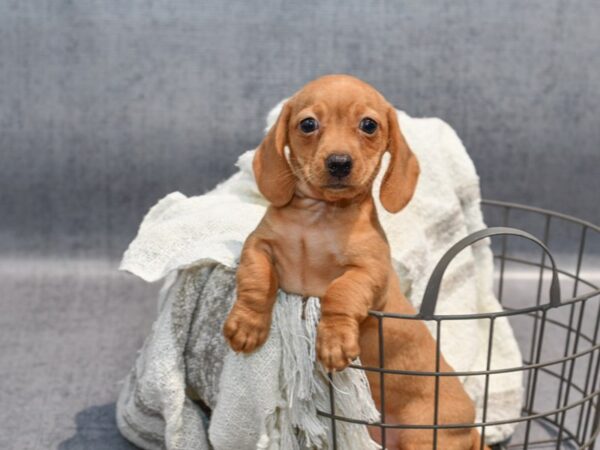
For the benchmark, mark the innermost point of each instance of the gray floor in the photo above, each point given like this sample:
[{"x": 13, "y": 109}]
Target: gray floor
[{"x": 69, "y": 331}]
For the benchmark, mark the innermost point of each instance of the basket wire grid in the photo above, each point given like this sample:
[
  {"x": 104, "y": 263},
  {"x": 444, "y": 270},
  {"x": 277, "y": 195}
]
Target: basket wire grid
[{"x": 558, "y": 337}]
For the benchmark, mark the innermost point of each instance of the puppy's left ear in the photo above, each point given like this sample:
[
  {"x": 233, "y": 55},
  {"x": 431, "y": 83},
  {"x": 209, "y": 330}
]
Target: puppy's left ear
[
  {"x": 400, "y": 179},
  {"x": 273, "y": 175}
]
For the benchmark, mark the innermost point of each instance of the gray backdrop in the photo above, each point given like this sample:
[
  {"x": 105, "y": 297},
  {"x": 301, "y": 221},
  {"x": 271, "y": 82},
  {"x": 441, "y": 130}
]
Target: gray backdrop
[{"x": 107, "y": 106}]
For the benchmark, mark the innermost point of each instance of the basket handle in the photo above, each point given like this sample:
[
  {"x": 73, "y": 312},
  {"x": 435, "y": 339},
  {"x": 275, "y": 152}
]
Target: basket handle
[{"x": 433, "y": 286}]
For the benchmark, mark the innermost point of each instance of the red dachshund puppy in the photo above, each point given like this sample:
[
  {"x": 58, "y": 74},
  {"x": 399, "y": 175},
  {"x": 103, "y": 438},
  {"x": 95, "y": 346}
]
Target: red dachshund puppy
[{"x": 321, "y": 237}]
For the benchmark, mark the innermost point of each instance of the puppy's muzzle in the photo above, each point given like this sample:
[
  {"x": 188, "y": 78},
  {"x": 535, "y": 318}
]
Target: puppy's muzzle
[{"x": 339, "y": 165}]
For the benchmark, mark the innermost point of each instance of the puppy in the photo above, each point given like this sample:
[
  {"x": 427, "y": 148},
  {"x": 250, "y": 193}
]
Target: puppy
[{"x": 321, "y": 237}]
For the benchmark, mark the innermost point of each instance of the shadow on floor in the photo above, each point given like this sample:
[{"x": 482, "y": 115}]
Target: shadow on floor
[{"x": 96, "y": 430}]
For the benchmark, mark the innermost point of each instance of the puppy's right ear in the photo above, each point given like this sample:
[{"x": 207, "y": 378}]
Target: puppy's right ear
[{"x": 272, "y": 171}]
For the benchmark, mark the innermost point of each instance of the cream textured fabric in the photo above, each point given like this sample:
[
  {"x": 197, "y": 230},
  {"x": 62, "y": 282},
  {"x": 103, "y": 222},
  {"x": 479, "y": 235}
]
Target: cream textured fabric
[{"x": 181, "y": 233}]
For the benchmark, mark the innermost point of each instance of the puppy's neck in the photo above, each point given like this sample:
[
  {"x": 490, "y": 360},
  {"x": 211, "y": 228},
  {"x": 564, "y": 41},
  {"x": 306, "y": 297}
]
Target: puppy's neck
[
  {"x": 302, "y": 200},
  {"x": 304, "y": 203}
]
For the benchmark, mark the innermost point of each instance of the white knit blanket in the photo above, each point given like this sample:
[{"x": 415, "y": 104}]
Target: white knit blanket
[{"x": 181, "y": 235}]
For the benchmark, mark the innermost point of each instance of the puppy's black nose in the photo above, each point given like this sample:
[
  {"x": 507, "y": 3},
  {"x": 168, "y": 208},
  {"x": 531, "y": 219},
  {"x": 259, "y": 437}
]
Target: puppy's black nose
[{"x": 339, "y": 165}]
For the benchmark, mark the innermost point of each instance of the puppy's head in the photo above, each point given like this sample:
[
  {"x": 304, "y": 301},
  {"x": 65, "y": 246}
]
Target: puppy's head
[{"x": 337, "y": 129}]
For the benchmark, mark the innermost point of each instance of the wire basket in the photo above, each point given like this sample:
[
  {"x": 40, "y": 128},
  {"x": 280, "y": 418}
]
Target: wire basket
[{"x": 557, "y": 334}]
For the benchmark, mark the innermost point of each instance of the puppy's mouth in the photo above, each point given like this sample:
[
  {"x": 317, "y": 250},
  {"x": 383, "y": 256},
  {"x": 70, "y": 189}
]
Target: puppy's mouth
[{"x": 336, "y": 186}]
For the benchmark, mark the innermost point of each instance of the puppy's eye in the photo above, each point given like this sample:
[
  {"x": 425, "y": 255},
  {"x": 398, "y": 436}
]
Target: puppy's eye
[
  {"x": 309, "y": 125},
  {"x": 368, "y": 125}
]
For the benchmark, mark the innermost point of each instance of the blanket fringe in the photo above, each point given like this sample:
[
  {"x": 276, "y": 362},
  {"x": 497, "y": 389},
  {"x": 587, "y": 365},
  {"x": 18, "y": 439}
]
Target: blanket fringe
[{"x": 305, "y": 385}]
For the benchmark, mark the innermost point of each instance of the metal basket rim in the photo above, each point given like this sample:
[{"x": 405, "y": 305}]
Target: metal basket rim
[
  {"x": 542, "y": 211},
  {"x": 505, "y": 313}
]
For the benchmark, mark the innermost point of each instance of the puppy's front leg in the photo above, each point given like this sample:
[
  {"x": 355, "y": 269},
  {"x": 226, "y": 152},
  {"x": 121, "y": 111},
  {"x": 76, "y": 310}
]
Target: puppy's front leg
[
  {"x": 248, "y": 323},
  {"x": 345, "y": 305}
]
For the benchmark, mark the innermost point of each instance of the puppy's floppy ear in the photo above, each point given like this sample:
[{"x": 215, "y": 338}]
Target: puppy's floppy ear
[
  {"x": 400, "y": 179},
  {"x": 273, "y": 175}
]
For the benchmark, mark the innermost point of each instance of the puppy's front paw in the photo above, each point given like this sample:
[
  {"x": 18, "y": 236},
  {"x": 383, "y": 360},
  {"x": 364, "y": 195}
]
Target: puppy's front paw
[
  {"x": 337, "y": 343},
  {"x": 246, "y": 331}
]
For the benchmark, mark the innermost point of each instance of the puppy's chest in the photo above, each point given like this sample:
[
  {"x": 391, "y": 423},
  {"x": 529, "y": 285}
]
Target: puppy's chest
[{"x": 309, "y": 257}]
